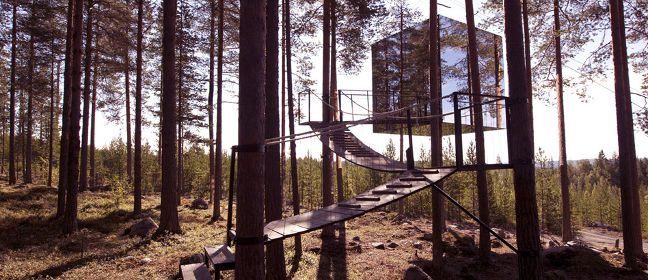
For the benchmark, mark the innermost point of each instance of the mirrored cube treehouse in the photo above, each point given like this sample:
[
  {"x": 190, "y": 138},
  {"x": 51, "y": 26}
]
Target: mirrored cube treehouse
[{"x": 400, "y": 77}]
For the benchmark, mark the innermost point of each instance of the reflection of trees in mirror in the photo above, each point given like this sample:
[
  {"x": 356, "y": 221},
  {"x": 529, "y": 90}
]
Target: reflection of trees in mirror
[{"x": 386, "y": 69}]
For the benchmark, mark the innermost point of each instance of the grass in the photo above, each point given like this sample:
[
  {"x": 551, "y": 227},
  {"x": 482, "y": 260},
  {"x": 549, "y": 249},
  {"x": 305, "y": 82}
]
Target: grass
[{"x": 33, "y": 247}]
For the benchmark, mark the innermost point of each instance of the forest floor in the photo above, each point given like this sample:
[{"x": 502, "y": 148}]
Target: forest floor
[{"x": 32, "y": 246}]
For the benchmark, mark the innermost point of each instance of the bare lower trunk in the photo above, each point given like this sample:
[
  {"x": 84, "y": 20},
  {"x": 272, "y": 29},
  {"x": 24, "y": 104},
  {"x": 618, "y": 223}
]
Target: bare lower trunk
[
  {"x": 564, "y": 179},
  {"x": 137, "y": 180},
  {"x": 83, "y": 176},
  {"x": 50, "y": 138},
  {"x": 291, "y": 125},
  {"x": 335, "y": 100},
  {"x": 627, "y": 155},
  {"x": 250, "y": 193},
  {"x": 276, "y": 266},
  {"x": 210, "y": 100},
  {"x": 65, "y": 125},
  {"x": 327, "y": 167},
  {"x": 169, "y": 211},
  {"x": 436, "y": 155},
  {"x": 12, "y": 105},
  {"x": 93, "y": 107},
  {"x": 218, "y": 157},
  {"x": 27, "y": 174},
  {"x": 482, "y": 188},
  {"x": 129, "y": 144},
  {"x": 70, "y": 220},
  {"x": 527, "y": 59},
  {"x": 521, "y": 154}
]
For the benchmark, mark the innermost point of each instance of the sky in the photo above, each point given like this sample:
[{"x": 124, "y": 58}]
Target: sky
[{"x": 590, "y": 126}]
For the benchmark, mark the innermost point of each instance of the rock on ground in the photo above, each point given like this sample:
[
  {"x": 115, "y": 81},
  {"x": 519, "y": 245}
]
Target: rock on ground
[
  {"x": 199, "y": 203},
  {"x": 415, "y": 273},
  {"x": 194, "y": 258},
  {"x": 378, "y": 245},
  {"x": 142, "y": 228},
  {"x": 556, "y": 275}
]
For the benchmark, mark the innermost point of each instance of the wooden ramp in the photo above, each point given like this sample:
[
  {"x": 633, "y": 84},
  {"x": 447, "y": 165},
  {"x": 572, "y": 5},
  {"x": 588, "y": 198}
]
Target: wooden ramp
[
  {"x": 407, "y": 183},
  {"x": 346, "y": 145}
]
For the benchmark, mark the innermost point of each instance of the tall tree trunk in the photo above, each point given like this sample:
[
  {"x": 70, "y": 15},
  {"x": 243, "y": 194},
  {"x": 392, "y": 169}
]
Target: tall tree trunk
[
  {"x": 27, "y": 174},
  {"x": 129, "y": 144},
  {"x": 276, "y": 266},
  {"x": 250, "y": 193},
  {"x": 93, "y": 171},
  {"x": 527, "y": 59},
  {"x": 169, "y": 211},
  {"x": 291, "y": 125},
  {"x": 50, "y": 137},
  {"x": 83, "y": 176},
  {"x": 521, "y": 153},
  {"x": 65, "y": 118},
  {"x": 283, "y": 109},
  {"x": 218, "y": 157},
  {"x": 498, "y": 86},
  {"x": 334, "y": 99},
  {"x": 627, "y": 155},
  {"x": 181, "y": 109},
  {"x": 21, "y": 129},
  {"x": 2, "y": 159},
  {"x": 12, "y": 101},
  {"x": 70, "y": 220},
  {"x": 137, "y": 183},
  {"x": 401, "y": 94},
  {"x": 564, "y": 178},
  {"x": 482, "y": 188},
  {"x": 210, "y": 99},
  {"x": 327, "y": 164},
  {"x": 436, "y": 136}
]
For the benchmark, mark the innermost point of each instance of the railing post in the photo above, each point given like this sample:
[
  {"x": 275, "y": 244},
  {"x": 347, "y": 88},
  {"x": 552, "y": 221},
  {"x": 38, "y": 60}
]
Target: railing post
[
  {"x": 457, "y": 130},
  {"x": 299, "y": 107},
  {"x": 309, "y": 105},
  {"x": 368, "y": 112},
  {"x": 410, "y": 150},
  {"x": 507, "y": 109},
  {"x": 340, "y": 105},
  {"x": 352, "y": 113},
  {"x": 230, "y": 202}
]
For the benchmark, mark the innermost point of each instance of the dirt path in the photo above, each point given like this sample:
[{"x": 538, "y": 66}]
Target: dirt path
[{"x": 600, "y": 238}]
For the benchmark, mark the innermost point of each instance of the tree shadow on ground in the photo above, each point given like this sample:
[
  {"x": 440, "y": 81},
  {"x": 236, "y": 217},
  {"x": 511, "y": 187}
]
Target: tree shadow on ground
[
  {"x": 56, "y": 271},
  {"x": 333, "y": 259},
  {"x": 294, "y": 265},
  {"x": 573, "y": 262},
  {"x": 19, "y": 233},
  {"x": 110, "y": 222},
  {"x": 23, "y": 193}
]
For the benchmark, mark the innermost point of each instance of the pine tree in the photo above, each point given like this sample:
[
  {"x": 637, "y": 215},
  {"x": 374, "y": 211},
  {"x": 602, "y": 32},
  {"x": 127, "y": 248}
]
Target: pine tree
[
  {"x": 521, "y": 154},
  {"x": 83, "y": 176},
  {"x": 70, "y": 219},
  {"x": 137, "y": 183},
  {"x": 169, "y": 211},
  {"x": 250, "y": 193}
]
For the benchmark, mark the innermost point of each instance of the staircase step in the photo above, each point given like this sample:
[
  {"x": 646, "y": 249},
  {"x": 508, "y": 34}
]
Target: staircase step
[
  {"x": 409, "y": 179},
  {"x": 344, "y": 205},
  {"x": 396, "y": 186},
  {"x": 220, "y": 257},
  {"x": 425, "y": 171},
  {"x": 367, "y": 198},
  {"x": 195, "y": 271},
  {"x": 385, "y": 192}
]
